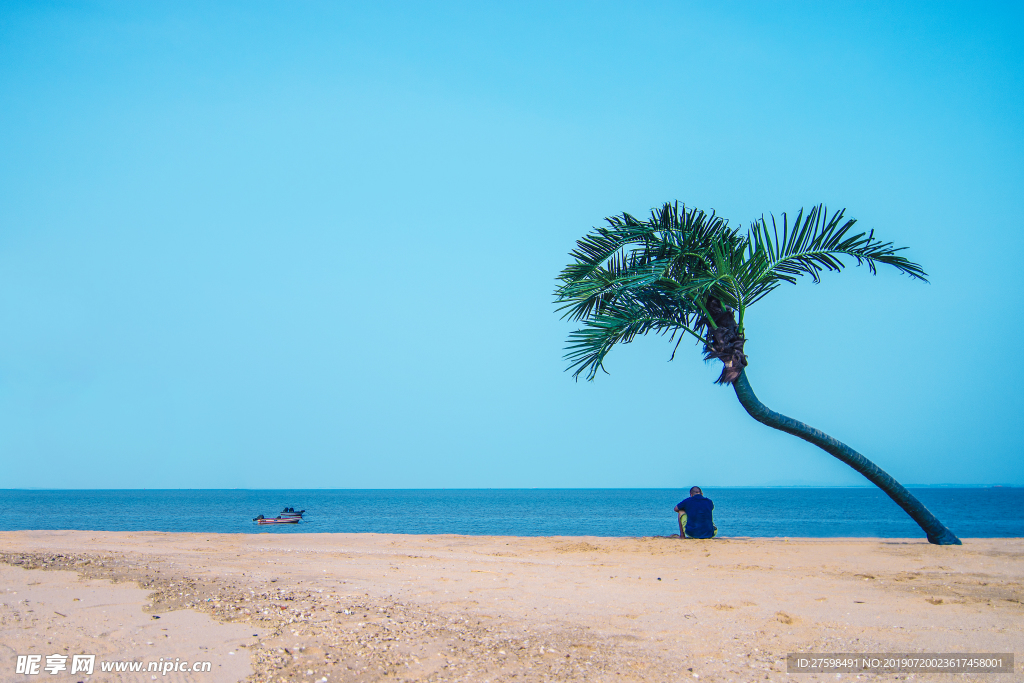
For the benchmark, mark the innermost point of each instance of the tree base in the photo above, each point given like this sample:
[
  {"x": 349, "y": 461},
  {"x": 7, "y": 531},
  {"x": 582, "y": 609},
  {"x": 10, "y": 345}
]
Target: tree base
[{"x": 947, "y": 538}]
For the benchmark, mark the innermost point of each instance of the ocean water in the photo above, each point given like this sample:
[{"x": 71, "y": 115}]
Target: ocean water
[{"x": 766, "y": 512}]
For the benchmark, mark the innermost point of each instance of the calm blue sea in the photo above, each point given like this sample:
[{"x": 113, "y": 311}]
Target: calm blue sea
[{"x": 820, "y": 512}]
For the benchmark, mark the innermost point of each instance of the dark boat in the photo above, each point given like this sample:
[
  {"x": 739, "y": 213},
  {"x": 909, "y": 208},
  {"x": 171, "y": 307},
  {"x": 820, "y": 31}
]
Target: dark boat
[{"x": 291, "y": 512}]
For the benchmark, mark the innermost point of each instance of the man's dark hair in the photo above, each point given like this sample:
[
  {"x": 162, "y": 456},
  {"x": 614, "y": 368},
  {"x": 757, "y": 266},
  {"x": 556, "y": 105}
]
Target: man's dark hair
[{"x": 695, "y": 491}]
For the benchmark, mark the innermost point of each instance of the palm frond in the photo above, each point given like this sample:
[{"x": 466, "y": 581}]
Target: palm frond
[
  {"x": 813, "y": 244},
  {"x": 604, "y": 284},
  {"x": 588, "y": 346}
]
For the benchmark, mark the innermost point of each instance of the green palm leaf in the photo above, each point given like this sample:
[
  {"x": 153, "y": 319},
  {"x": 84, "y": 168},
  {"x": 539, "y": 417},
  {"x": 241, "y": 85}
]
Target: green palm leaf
[{"x": 815, "y": 243}]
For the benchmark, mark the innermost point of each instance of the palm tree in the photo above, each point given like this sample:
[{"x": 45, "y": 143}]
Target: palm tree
[{"x": 685, "y": 272}]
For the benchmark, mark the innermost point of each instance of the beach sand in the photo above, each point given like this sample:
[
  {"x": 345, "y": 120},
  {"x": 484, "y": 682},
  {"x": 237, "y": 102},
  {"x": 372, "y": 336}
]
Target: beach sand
[{"x": 369, "y": 607}]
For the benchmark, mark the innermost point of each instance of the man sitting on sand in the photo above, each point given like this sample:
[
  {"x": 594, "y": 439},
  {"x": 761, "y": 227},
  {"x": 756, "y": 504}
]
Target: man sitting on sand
[{"x": 695, "y": 517}]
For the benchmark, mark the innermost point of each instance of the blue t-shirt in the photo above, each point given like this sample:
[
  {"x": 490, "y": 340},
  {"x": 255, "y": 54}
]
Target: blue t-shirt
[{"x": 699, "y": 521}]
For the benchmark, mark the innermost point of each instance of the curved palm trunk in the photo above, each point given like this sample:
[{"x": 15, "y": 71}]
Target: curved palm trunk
[{"x": 937, "y": 533}]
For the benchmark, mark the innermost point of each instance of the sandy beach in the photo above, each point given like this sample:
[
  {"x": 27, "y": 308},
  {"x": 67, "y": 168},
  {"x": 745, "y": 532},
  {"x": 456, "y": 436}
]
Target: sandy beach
[{"x": 367, "y": 607}]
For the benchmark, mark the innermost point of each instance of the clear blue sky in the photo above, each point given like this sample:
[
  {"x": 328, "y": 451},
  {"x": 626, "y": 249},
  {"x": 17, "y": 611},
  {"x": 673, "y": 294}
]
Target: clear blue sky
[{"x": 314, "y": 244}]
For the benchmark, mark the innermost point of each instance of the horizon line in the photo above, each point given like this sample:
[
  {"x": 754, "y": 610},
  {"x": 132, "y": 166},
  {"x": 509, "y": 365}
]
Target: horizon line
[{"x": 532, "y": 488}]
